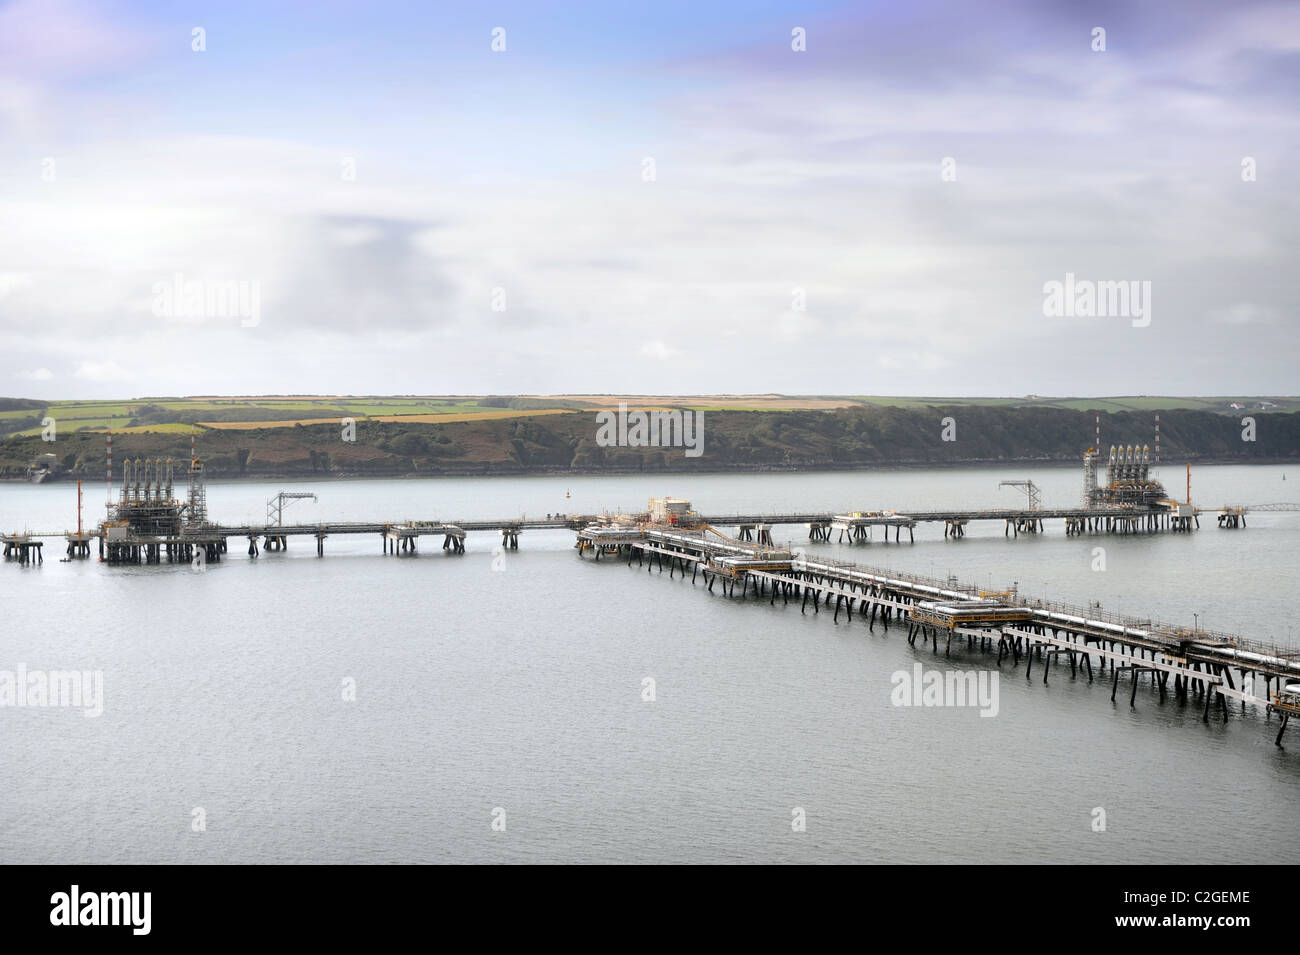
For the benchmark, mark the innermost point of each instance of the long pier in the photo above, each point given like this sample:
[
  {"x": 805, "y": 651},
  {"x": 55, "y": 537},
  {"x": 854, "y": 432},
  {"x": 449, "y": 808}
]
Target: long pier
[
  {"x": 1078, "y": 520},
  {"x": 1212, "y": 667},
  {"x": 212, "y": 540}
]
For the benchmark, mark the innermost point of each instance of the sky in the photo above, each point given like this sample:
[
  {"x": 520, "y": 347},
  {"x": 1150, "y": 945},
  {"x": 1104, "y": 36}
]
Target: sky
[{"x": 693, "y": 198}]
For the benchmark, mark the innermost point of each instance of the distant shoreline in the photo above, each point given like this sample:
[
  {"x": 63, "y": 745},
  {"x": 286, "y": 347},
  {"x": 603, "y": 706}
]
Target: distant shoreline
[
  {"x": 290, "y": 475},
  {"x": 727, "y": 442}
]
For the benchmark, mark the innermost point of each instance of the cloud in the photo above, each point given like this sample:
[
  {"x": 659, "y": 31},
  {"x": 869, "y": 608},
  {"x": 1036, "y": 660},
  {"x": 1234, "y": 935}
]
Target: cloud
[
  {"x": 362, "y": 276},
  {"x": 915, "y": 361},
  {"x": 62, "y": 38},
  {"x": 1245, "y": 313},
  {"x": 39, "y": 374},
  {"x": 98, "y": 371},
  {"x": 11, "y": 282},
  {"x": 657, "y": 350},
  {"x": 775, "y": 170}
]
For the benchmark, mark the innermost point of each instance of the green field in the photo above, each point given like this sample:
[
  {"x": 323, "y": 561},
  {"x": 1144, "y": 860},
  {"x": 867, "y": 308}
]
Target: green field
[
  {"x": 1114, "y": 403},
  {"x": 180, "y": 414},
  {"x": 117, "y": 414}
]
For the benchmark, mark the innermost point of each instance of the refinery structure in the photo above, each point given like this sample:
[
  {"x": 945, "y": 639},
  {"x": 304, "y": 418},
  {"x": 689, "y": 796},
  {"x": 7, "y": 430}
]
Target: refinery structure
[
  {"x": 148, "y": 521},
  {"x": 1129, "y": 477},
  {"x": 147, "y": 505}
]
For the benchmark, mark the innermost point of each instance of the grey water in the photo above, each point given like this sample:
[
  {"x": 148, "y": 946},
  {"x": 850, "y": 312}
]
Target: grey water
[{"x": 509, "y": 687}]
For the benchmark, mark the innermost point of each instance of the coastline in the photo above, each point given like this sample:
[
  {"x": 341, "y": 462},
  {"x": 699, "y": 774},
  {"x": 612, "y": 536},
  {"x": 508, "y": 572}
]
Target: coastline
[{"x": 498, "y": 470}]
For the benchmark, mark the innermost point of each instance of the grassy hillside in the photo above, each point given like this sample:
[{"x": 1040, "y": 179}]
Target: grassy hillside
[
  {"x": 853, "y": 437},
  {"x": 24, "y": 416}
]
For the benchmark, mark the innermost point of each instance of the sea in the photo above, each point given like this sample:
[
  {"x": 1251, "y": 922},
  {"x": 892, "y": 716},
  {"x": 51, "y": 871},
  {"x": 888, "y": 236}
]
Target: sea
[{"x": 535, "y": 705}]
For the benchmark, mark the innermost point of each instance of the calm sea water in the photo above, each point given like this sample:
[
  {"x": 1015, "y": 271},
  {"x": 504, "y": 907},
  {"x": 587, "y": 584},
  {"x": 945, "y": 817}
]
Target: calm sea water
[{"x": 520, "y": 688}]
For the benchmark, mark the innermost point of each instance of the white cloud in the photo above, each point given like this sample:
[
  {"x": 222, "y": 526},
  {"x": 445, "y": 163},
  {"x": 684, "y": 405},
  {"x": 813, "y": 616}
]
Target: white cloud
[
  {"x": 1245, "y": 313},
  {"x": 11, "y": 282},
  {"x": 827, "y": 179},
  {"x": 914, "y": 361},
  {"x": 657, "y": 349},
  {"x": 100, "y": 371}
]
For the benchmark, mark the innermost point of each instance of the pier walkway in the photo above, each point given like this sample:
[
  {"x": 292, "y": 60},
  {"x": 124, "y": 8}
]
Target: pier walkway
[
  {"x": 404, "y": 536},
  {"x": 1209, "y": 666}
]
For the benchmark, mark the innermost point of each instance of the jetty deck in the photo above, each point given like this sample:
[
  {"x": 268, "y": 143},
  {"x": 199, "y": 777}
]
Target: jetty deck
[
  {"x": 1214, "y": 667},
  {"x": 403, "y": 536}
]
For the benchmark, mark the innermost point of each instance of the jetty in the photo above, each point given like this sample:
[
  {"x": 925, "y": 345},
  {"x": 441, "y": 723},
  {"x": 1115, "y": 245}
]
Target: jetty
[{"x": 1214, "y": 668}]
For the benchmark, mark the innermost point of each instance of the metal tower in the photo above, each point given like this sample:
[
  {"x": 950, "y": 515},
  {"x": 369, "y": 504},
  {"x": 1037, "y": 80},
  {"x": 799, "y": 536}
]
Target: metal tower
[{"x": 275, "y": 506}]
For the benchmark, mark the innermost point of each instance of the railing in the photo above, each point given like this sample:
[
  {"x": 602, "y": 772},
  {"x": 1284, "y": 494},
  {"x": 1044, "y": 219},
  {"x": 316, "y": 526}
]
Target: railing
[
  {"x": 940, "y": 583},
  {"x": 1157, "y": 628},
  {"x": 1267, "y": 648}
]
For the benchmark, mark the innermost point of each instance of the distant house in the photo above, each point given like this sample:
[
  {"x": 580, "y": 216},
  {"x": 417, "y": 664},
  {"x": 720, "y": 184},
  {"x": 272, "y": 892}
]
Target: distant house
[
  {"x": 1266, "y": 405},
  {"x": 1236, "y": 406}
]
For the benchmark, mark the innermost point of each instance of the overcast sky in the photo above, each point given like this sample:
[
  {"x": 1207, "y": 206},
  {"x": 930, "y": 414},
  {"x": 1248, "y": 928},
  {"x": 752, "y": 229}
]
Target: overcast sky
[{"x": 415, "y": 212}]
